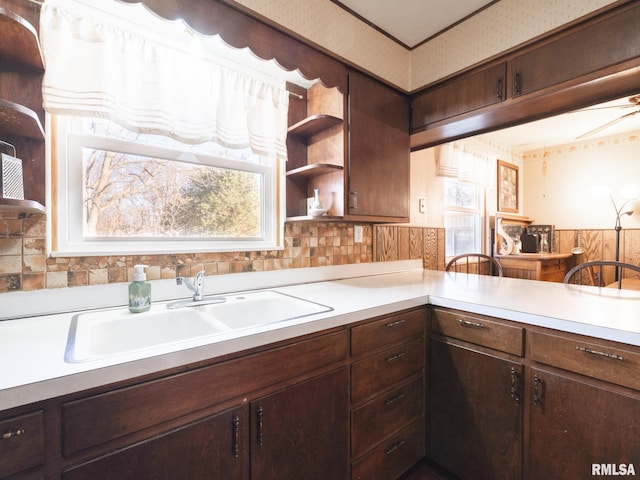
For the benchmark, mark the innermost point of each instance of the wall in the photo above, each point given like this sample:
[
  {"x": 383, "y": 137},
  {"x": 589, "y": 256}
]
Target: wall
[
  {"x": 503, "y": 25},
  {"x": 565, "y": 194}
]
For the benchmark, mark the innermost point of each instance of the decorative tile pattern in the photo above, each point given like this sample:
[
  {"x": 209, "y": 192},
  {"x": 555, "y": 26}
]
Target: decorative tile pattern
[{"x": 24, "y": 264}]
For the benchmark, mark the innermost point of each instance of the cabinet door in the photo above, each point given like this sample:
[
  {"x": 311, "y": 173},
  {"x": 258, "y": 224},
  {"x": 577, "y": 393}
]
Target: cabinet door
[
  {"x": 600, "y": 45},
  {"x": 378, "y": 158},
  {"x": 575, "y": 424},
  {"x": 459, "y": 95},
  {"x": 301, "y": 432},
  {"x": 475, "y": 413},
  {"x": 213, "y": 448}
]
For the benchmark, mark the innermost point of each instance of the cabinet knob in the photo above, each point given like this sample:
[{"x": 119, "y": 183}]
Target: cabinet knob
[{"x": 12, "y": 433}]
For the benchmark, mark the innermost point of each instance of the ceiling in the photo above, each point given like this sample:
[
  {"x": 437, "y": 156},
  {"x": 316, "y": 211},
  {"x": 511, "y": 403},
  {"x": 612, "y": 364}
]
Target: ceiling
[{"x": 410, "y": 22}]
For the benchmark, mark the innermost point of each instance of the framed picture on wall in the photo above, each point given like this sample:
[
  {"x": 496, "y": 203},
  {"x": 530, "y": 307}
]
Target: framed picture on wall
[{"x": 507, "y": 187}]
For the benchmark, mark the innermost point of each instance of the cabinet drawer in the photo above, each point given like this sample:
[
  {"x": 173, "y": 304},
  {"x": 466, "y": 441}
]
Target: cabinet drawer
[
  {"x": 387, "y": 331},
  {"x": 393, "y": 457},
  {"x": 95, "y": 420},
  {"x": 385, "y": 369},
  {"x": 372, "y": 422},
  {"x": 611, "y": 364},
  {"x": 479, "y": 330},
  {"x": 21, "y": 443}
]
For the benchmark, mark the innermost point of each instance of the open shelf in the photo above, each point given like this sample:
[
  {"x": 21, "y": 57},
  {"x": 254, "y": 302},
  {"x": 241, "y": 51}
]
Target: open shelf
[
  {"x": 313, "y": 170},
  {"x": 16, "y": 119},
  {"x": 20, "y": 206},
  {"x": 19, "y": 41},
  {"x": 314, "y": 124},
  {"x": 309, "y": 218}
]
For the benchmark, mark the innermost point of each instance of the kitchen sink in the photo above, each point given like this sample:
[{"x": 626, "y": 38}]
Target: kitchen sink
[
  {"x": 252, "y": 309},
  {"x": 99, "y": 334}
]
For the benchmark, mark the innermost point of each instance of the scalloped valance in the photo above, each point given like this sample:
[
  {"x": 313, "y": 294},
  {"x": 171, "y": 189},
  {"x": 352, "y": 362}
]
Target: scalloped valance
[
  {"x": 238, "y": 29},
  {"x": 102, "y": 65}
]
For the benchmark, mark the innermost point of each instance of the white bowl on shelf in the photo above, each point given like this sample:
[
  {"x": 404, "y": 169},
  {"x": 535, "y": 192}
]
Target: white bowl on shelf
[{"x": 317, "y": 212}]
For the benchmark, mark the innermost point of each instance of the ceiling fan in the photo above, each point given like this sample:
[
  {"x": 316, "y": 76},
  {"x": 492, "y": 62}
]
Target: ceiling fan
[{"x": 634, "y": 102}]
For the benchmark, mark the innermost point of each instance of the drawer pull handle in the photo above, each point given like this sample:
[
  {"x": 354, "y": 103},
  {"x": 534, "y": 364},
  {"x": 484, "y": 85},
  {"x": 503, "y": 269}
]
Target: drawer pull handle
[
  {"x": 394, "y": 447},
  {"x": 390, "y": 401},
  {"x": 236, "y": 436},
  {"x": 12, "y": 433},
  {"x": 537, "y": 390},
  {"x": 395, "y": 357},
  {"x": 396, "y": 323},
  {"x": 515, "y": 385},
  {"x": 467, "y": 323},
  {"x": 260, "y": 433},
  {"x": 612, "y": 356}
]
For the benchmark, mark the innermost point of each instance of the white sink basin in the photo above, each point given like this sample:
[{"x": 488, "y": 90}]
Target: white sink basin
[
  {"x": 100, "y": 334},
  {"x": 261, "y": 308}
]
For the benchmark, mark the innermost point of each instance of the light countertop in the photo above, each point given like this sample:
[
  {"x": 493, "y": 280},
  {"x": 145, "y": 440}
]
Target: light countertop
[{"x": 32, "y": 349}]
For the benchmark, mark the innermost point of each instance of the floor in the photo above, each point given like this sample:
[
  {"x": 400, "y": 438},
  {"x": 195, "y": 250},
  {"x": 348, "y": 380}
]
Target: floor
[{"x": 425, "y": 471}]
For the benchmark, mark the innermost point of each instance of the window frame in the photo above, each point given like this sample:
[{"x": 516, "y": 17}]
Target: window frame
[
  {"x": 480, "y": 210},
  {"x": 65, "y": 205}
]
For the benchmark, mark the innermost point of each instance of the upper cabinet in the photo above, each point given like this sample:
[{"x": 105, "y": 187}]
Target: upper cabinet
[
  {"x": 584, "y": 51},
  {"x": 459, "y": 95},
  {"x": 353, "y": 149},
  {"x": 378, "y": 156},
  {"x": 21, "y": 112},
  {"x": 589, "y": 62}
]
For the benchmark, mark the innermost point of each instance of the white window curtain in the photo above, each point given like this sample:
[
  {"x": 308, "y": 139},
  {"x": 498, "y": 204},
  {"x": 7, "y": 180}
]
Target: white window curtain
[
  {"x": 97, "y": 68},
  {"x": 457, "y": 160}
]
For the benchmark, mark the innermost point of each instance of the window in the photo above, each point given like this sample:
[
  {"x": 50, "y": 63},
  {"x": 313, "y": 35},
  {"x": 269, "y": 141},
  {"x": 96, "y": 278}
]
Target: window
[
  {"x": 463, "y": 207},
  {"x": 158, "y": 146},
  {"x": 124, "y": 189}
]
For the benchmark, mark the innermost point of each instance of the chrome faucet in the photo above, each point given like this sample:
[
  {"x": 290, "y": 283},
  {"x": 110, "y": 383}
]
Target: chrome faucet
[{"x": 196, "y": 286}]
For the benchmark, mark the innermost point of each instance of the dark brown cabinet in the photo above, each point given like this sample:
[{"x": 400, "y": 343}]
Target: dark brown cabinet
[
  {"x": 586, "y": 50},
  {"x": 584, "y": 406},
  {"x": 22, "y": 443},
  {"x": 355, "y": 151},
  {"x": 291, "y": 412},
  {"x": 214, "y": 447},
  {"x": 509, "y": 401},
  {"x": 387, "y": 395},
  {"x": 302, "y": 431},
  {"x": 378, "y": 151},
  {"x": 475, "y": 413},
  {"x": 476, "y": 400},
  {"x": 459, "y": 95},
  {"x": 576, "y": 424}
]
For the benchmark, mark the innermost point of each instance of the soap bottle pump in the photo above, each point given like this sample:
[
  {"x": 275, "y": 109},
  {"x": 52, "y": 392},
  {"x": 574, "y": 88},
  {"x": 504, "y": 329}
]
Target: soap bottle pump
[{"x": 139, "y": 291}]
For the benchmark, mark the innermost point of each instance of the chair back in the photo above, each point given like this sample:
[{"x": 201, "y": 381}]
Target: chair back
[
  {"x": 478, "y": 263},
  {"x": 594, "y": 273}
]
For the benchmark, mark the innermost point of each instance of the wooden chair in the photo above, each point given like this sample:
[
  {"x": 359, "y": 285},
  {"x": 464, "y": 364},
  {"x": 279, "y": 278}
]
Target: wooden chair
[
  {"x": 594, "y": 273},
  {"x": 478, "y": 263}
]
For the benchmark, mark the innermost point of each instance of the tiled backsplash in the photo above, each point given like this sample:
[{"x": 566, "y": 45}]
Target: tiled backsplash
[{"x": 24, "y": 264}]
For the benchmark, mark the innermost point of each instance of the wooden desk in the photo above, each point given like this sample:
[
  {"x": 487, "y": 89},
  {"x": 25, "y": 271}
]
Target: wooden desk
[
  {"x": 548, "y": 267},
  {"x": 627, "y": 284}
]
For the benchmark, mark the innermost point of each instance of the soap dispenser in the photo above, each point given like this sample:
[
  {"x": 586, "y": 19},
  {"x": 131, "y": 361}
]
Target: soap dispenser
[{"x": 139, "y": 291}]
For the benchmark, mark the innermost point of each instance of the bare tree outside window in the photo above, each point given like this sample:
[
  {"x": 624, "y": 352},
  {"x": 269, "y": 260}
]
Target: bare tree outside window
[{"x": 129, "y": 195}]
